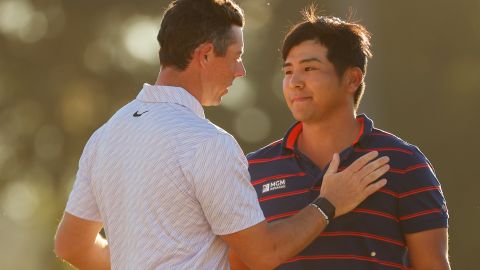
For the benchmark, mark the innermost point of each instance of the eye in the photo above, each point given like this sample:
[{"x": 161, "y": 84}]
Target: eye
[
  {"x": 309, "y": 68},
  {"x": 287, "y": 72}
]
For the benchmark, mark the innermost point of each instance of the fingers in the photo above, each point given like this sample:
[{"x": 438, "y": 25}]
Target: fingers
[
  {"x": 373, "y": 176},
  {"x": 372, "y": 166},
  {"x": 333, "y": 167},
  {"x": 362, "y": 161},
  {"x": 372, "y": 188}
]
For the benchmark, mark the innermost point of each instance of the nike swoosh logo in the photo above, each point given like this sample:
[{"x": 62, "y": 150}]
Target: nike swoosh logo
[{"x": 136, "y": 114}]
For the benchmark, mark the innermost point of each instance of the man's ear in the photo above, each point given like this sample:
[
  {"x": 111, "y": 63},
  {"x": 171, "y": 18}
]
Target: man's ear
[
  {"x": 203, "y": 53},
  {"x": 353, "y": 77}
]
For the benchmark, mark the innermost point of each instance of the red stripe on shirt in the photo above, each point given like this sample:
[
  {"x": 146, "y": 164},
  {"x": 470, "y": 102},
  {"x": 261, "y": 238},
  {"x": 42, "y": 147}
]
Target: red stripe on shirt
[
  {"x": 286, "y": 194},
  {"x": 286, "y": 214},
  {"x": 400, "y": 171},
  {"x": 419, "y": 190},
  {"x": 376, "y": 213},
  {"x": 421, "y": 213},
  {"x": 347, "y": 257},
  {"x": 278, "y": 176},
  {"x": 409, "y": 169},
  {"x": 380, "y": 149},
  {"x": 389, "y": 192},
  {"x": 263, "y": 160},
  {"x": 409, "y": 193},
  {"x": 366, "y": 235}
]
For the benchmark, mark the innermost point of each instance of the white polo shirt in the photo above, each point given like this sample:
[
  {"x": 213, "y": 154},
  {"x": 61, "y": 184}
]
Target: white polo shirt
[{"x": 165, "y": 182}]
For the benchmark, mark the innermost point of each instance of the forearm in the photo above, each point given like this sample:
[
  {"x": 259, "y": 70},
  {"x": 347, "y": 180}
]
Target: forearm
[
  {"x": 97, "y": 256},
  {"x": 290, "y": 236}
]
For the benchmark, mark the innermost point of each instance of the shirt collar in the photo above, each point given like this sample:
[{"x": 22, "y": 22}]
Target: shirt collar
[
  {"x": 290, "y": 139},
  {"x": 170, "y": 94}
]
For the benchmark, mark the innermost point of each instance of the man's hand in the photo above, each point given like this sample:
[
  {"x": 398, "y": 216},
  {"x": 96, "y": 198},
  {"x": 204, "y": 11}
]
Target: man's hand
[{"x": 348, "y": 188}]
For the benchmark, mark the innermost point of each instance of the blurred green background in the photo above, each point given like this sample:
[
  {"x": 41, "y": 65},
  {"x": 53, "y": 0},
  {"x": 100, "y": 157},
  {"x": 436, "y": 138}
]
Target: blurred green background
[{"x": 66, "y": 66}]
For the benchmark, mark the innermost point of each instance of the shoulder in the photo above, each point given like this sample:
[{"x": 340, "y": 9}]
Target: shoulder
[
  {"x": 92, "y": 143},
  {"x": 409, "y": 167},
  {"x": 206, "y": 141},
  {"x": 401, "y": 152},
  {"x": 271, "y": 150}
]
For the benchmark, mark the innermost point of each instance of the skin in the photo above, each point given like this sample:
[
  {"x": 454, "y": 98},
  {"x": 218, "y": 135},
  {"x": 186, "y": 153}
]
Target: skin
[
  {"x": 207, "y": 78},
  {"x": 323, "y": 101},
  {"x": 320, "y": 99},
  {"x": 78, "y": 242}
]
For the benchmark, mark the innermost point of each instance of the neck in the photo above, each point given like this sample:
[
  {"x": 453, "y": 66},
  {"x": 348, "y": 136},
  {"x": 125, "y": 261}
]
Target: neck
[
  {"x": 181, "y": 78},
  {"x": 319, "y": 140}
]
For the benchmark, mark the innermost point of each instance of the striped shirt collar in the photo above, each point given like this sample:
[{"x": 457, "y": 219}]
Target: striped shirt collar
[
  {"x": 170, "y": 94},
  {"x": 290, "y": 139}
]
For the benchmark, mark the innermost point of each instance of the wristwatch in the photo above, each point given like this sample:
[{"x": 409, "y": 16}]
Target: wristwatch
[{"x": 325, "y": 207}]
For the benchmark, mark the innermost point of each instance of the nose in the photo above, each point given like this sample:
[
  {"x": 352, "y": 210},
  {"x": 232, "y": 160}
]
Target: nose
[
  {"x": 295, "y": 81},
  {"x": 240, "y": 70}
]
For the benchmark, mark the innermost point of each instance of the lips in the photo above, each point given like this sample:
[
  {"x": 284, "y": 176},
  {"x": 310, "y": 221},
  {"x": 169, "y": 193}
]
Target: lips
[{"x": 300, "y": 99}]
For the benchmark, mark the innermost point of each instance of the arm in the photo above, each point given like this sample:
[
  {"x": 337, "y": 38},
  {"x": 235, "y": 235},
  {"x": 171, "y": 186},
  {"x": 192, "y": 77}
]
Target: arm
[
  {"x": 428, "y": 250},
  {"x": 78, "y": 241},
  {"x": 265, "y": 246},
  {"x": 235, "y": 262}
]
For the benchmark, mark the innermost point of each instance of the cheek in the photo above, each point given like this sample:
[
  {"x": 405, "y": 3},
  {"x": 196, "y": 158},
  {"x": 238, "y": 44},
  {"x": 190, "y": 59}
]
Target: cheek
[{"x": 284, "y": 90}]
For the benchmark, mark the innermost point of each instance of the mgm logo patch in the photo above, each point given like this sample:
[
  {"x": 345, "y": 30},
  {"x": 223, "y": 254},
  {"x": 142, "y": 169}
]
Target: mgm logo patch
[{"x": 274, "y": 185}]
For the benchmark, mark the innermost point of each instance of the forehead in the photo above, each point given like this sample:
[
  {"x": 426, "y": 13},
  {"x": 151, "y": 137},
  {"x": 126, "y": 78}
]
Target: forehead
[
  {"x": 237, "y": 36},
  {"x": 306, "y": 50}
]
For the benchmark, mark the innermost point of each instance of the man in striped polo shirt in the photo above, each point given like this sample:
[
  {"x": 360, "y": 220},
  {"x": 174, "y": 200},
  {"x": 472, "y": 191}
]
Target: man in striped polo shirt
[
  {"x": 403, "y": 225},
  {"x": 171, "y": 189}
]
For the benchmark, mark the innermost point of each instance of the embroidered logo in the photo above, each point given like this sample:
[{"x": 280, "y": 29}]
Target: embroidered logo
[
  {"x": 136, "y": 114},
  {"x": 277, "y": 184}
]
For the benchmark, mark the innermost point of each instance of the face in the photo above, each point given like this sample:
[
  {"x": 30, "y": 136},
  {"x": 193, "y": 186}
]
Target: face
[
  {"x": 311, "y": 87},
  {"x": 222, "y": 70}
]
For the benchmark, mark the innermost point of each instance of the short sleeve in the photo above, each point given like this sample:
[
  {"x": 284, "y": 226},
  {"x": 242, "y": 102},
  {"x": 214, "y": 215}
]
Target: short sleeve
[
  {"x": 82, "y": 202},
  {"x": 219, "y": 172},
  {"x": 422, "y": 205}
]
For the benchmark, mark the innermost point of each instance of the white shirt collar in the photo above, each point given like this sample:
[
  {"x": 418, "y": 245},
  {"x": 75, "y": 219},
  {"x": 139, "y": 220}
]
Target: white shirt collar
[{"x": 171, "y": 94}]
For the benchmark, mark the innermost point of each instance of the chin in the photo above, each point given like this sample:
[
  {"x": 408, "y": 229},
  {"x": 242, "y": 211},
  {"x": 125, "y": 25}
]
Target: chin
[{"x": 300, "y": 115}]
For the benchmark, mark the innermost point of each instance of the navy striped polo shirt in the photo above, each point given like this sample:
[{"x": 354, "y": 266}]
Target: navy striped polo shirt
[{"x": 372, "y": 235}]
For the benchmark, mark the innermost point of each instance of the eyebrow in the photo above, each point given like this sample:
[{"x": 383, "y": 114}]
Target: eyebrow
[{"x": 312, "y": 59}]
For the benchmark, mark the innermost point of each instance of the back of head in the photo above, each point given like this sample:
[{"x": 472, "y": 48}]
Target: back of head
[
  {"x": 188, "y": 23},
  {"x": 348, "y": 43}
]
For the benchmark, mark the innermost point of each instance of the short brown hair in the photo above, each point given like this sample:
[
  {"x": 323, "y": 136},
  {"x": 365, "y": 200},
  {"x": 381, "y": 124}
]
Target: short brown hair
[
  {"x": 348, "y": 43},
  {"x": 188, "y": 23}
]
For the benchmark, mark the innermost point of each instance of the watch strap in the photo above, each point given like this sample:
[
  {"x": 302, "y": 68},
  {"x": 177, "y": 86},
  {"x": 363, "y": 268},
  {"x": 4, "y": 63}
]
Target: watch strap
[{"x": 326, "y": 206}]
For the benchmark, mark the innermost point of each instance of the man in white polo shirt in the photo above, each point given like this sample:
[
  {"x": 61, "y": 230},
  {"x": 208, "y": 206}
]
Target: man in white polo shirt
[{"x": 170, "y": 188}]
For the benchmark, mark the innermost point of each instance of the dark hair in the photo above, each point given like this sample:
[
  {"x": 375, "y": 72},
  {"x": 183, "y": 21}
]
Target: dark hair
[
  {"x": 188, "y": 23},
  {"x": 348, "y": 43}
]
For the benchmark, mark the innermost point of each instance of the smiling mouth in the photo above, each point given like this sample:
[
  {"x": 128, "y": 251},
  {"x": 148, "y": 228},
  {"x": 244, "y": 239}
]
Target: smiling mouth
[{"x": 300, "y": 99}]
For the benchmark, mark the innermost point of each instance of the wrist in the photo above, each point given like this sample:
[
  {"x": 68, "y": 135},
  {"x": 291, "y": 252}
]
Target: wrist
[
  {"x": 325, "y": 207},
  {"x": 325, "y": 217}
]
